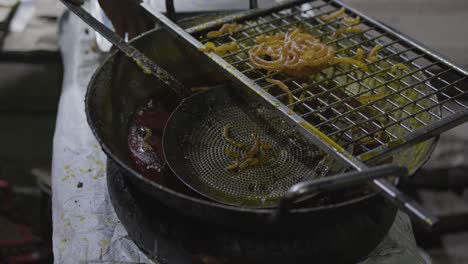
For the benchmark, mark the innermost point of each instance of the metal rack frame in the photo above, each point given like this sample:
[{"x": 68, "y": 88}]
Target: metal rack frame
[
  {"x": 421, "y": 60},
  {"x": 397, "y": 49}
]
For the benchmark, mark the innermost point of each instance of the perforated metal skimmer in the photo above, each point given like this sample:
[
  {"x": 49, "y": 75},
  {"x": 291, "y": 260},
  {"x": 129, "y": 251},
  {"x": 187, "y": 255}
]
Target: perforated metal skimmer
[
  {"x": 195, "y": 148},
  {"x": 411, "y": 106}
]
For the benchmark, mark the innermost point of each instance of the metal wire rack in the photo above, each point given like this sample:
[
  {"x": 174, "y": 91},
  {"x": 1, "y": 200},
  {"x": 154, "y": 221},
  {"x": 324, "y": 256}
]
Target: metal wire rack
[
  {"x": 334, "y": 101},
  {"x": 355, "y": 116}
]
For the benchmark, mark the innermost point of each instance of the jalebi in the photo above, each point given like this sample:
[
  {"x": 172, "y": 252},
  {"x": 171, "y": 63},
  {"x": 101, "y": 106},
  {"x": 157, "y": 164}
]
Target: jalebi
[
  {"x": 373, "y": 53},
  {"x": 399, "y": 66},
  {"x": 296, "y": 54},
  {"x": 351, "y": 21},
  {"x": 359, "y": 54},
  {"x": 283, "y": 87},
  {"x": 355, "y": 62},
  {"x": 264, "y": 38},
  {"x": 226, "y": 28},
  {"x": 364, "y": 99},
  {"x": 333, "y": 15},
  {"x": 221, "y": 50},
  {"x": 348, "y": 30}
]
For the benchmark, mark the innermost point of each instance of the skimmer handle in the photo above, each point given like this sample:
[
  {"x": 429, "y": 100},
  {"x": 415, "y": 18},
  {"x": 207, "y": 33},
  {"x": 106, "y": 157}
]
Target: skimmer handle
[{"x": 307, "y": 189}]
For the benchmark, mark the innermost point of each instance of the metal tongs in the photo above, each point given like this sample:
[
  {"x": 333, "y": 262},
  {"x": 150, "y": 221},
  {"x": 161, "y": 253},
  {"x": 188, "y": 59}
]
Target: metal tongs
[{"x": 364, "y": 174}]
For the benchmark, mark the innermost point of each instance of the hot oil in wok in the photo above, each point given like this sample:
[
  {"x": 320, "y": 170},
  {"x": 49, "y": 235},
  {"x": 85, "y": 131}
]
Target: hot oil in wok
[{"x": 145, "y": 139}]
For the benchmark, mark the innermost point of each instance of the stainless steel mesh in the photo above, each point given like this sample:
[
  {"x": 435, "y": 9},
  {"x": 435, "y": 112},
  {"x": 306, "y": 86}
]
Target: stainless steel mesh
[
  {"x": 200, "y": 159},
  {"x": 412, "y": 99}
]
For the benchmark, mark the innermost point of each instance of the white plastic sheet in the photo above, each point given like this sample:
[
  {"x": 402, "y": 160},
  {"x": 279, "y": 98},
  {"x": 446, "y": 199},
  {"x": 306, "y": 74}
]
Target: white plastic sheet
[{"x": 85, "y": 226}]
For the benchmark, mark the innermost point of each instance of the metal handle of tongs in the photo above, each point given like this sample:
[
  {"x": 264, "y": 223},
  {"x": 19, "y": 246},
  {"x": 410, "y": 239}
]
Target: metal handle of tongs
[
  {"x": 145, "y": 63},
  {"x": 308, "y": 189}
]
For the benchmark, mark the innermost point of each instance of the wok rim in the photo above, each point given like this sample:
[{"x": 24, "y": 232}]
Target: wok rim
[{"x": 266, "y": 211}]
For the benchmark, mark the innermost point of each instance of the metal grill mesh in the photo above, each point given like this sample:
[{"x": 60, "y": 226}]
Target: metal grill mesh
[
  {"x": 412, "y": 100},
  {"x": 201, "y": 160}
]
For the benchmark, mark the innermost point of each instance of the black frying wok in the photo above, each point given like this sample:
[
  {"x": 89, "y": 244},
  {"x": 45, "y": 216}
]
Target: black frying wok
[{"x": 118, "y": 88}]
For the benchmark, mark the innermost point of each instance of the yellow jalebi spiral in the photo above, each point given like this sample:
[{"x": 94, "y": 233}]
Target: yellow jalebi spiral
[
  {"x": 274, "y": 50},
  {"x": 296, "y": 54}
]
